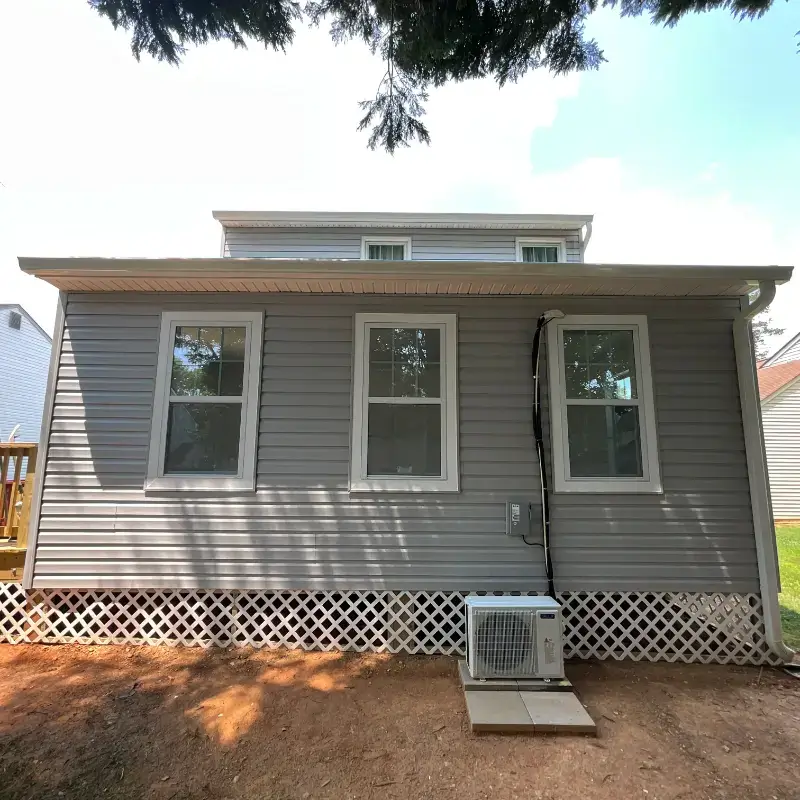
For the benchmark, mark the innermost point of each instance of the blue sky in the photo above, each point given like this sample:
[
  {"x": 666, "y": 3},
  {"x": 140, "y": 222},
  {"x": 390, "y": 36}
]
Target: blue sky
[
  {"x": 685, "y": 144},
  {"x": 674, "y": 101}
]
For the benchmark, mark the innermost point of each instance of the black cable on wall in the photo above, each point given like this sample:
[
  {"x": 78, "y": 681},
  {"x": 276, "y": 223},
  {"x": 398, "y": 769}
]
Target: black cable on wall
[{"x": 540, "y": 454}]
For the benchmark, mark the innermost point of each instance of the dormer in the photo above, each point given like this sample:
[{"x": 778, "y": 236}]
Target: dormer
[{"x": 536, "y": 238}]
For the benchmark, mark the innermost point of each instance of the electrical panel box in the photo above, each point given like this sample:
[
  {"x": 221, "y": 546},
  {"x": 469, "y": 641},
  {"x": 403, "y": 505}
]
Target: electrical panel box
[{"x": 518, "y": 518}]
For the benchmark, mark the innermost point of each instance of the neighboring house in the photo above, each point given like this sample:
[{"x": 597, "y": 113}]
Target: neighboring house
[
  {"x": 314, "y": 440},
  {"x": 779, "y": 385},
  {"x": 789, "y": 352},
  {"x": 24, "y": 361}
]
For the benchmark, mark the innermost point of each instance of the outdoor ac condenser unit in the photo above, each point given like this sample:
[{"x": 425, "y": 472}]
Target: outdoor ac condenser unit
[{"x": 514, "y": 637}]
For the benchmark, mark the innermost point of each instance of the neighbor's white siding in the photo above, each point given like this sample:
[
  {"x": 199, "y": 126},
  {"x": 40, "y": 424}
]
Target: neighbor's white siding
[
  {"x": 781, "y": 419},
  {"x": 792, "y": 354},
  {"x": 427, "y": 244},
  {"x": 24, "y": 363}
]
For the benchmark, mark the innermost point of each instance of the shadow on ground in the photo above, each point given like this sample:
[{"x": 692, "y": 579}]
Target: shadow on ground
[{"x": 180, "y": 724}]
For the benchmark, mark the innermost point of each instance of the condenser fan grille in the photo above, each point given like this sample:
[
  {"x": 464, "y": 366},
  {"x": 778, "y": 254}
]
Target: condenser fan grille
[{"x": 503, "y": 642}]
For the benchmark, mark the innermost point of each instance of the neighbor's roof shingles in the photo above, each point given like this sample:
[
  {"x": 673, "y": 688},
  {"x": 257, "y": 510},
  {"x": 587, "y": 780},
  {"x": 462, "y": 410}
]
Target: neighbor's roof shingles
[{"x": 771, "y": 379}]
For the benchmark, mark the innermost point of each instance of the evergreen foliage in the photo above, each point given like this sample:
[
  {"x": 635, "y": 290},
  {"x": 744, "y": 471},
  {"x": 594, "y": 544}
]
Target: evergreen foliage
[
  {"x": 424, "y": 42},
  {"x": 763, "y": 331}
]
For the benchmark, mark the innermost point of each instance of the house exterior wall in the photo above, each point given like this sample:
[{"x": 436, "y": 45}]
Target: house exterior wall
[
  {"x": 781, "y": 421},
  {"x": 303, "y": 529},
  {"x": 427, "y": 244},
  {"x": 24, "y": 362}
]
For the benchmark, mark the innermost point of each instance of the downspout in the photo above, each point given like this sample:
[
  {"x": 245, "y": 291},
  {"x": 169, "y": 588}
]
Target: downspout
[{"x": 760, "y": 502}]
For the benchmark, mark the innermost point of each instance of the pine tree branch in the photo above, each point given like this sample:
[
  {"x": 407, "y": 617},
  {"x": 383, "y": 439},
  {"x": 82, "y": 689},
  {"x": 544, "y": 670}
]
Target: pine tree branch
[{"x": 425, "y": 42}]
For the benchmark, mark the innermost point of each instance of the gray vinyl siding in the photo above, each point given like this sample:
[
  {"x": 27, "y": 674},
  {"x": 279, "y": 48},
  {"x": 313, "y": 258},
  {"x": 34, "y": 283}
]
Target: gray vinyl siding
[
  {"x": 427, "y": 244},
  {"x": 303, "y": 529},
  {"x": 24, "y": 362},
  {"x": 781, "y": 420}
]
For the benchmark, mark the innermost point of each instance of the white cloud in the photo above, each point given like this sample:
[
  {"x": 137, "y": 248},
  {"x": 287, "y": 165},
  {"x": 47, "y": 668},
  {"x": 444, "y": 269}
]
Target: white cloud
[
  {"x": 648, "y": 225},
  {"x": 117, "y": 158},
  {"x": 109, "y": 157}
]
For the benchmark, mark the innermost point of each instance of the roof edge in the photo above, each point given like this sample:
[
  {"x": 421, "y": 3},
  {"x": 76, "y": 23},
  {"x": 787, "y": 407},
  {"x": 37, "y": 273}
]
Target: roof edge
[
  {"x": 787, "y": 371},
  {"x": 42, "y": 266},
  {"x": 740, "y": 280},
  {"x": 377, "y": 219},
  {"x": 769, "y": 360},
  {"x": 776, "y": 393}
]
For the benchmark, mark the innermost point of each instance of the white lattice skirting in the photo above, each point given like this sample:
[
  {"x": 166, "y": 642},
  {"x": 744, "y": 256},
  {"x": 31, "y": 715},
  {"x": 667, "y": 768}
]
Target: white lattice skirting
[{"x": 652, "y": 626}]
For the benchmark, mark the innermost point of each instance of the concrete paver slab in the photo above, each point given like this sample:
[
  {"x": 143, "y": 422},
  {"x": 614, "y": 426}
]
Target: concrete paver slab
[
  {"x": 557, "y": 712},
  {"x": 498, "y": 712}
]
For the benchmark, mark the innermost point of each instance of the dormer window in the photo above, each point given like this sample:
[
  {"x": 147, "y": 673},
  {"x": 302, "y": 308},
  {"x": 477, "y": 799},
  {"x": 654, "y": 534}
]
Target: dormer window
[
  {"x": 541, "y": 251},
  {"x": 386, "y": 248}
]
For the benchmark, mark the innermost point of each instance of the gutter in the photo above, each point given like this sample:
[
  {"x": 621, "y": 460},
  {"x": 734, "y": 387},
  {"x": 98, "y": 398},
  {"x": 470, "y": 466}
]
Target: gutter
[
  {"x": 760, "y": 501},
  {"x": 378, "y": 219}
]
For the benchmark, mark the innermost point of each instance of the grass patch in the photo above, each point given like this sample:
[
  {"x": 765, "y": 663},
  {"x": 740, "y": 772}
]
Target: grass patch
[{"x": 789, "y": 598}]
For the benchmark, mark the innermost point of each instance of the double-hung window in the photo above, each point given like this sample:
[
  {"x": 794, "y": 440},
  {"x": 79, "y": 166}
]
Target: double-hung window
[
  {"x": 386, "y": 248},
  {"x": 601, "y": 405},
  {"x": 405, "y": 407},
  {"x": 205, "y": 417},
  {"x": 541, "y": 251}
]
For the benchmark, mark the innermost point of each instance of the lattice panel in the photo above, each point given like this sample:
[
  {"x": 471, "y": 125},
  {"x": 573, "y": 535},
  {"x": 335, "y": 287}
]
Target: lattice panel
[{"x": 653, "y": 626}]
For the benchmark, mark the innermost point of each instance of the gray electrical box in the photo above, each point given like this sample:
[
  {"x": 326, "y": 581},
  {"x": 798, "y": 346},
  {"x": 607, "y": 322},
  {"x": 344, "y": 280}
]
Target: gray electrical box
[{"x": 518, "y": 518}]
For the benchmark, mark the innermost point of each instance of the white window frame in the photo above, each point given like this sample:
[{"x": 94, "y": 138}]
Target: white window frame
[
  {"x": 366, "y": 241},
  {"x": 543, "y": 241},
  {"x": 244, "y": 480},
  {"x": 448, "y": 482},
  {"x": 563, "y": 482}
]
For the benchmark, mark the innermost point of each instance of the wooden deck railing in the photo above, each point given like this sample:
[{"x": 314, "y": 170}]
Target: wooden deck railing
[{"x": 16, "y": 492}]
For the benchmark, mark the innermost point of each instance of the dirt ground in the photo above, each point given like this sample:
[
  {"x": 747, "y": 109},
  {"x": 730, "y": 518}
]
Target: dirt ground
[{"x": 180, "y": 724}]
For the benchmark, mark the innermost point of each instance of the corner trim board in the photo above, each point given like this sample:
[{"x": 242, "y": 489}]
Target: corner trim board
[{"x": 760, "y": 501}]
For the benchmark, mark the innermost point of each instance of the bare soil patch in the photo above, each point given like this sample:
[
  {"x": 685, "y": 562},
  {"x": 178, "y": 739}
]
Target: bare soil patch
[{"x": 180, "y": 724}]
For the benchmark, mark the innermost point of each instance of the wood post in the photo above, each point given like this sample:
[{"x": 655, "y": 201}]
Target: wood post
[
  {"x": 5, "y": 458},
  {"x": 13, "y": 523},
  {"x": 11, "y": 511},
  {"x": 27, "y": 497}
]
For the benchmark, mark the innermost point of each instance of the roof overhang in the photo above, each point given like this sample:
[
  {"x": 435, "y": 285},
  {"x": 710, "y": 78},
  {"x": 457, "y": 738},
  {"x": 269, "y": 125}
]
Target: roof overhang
[
  {"x": 361, "y": 219},
  {"x": 395, "y": 277}
]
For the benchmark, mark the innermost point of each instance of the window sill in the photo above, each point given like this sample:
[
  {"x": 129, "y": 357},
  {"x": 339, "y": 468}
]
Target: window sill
[
  {"x": 186, "y": 484},
  {"x": 403, "y": 485},
  {"x": 611, "y": 487}
]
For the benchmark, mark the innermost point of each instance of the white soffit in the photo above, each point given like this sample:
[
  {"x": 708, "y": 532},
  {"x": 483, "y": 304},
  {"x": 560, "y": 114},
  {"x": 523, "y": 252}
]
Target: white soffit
[{"x": 387, "y": 277}]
